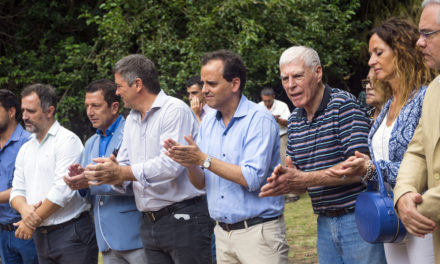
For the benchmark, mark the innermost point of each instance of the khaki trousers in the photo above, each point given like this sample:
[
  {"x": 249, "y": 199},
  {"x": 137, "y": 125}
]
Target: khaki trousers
[{"x": 262, "y": 243}]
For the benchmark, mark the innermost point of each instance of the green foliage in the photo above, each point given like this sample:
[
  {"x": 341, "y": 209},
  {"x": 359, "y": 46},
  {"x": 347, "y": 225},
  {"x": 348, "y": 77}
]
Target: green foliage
[{"x": 70, "y": 43}]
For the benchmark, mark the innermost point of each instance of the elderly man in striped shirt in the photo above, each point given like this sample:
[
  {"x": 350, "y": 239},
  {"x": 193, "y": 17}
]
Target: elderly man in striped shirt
[{"x": 325, "y": 129}]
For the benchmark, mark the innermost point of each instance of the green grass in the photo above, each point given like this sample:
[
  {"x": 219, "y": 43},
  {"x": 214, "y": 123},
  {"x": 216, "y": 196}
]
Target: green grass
[{"x": 301, "y": 231}]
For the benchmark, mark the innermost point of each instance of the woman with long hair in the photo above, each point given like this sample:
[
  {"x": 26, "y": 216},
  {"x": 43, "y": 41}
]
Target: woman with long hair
[{"x": 400, "y": 70}]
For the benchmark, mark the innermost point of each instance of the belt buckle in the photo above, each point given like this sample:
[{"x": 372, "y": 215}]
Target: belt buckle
[
  {"x": 43, "y": 231},
  {"x": 226, "y": 227}
]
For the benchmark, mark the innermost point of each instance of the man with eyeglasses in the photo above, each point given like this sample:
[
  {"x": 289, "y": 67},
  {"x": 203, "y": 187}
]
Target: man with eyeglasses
[
  {"x": 417, "y": 190},
  {"x": 12, "y": 137}
]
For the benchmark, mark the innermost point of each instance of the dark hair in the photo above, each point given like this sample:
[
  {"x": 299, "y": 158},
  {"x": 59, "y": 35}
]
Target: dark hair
[
  {"x": 138, "y": 66},
  {"x": 8, "y": 99},
  {"x": 194, "y": 80},
  {"x": 267, "y": 91},
  {"x": 233, "y": 65},
  {"x": 408, "y": 62},
  {"x": 108, "y": 89},
  {"x": 45, "y": 92}
]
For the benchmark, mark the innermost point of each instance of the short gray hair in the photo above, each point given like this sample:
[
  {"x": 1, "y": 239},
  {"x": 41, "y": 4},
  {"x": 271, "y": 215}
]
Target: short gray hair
[
  {"x": 306, "y": 54},
  {"x": 429, "y": 2},
  {"x": 45, "y": 93},
  {"x": 138, "y": 66}
]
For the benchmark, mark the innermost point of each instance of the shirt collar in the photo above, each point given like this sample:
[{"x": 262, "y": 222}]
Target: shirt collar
[
  {"x": 325, "y": 100},
  {"x": 159, "y": 101},
  {"x": 241, "y": 110},
  {"x": 53, "y": 130},
  {"x": 16, "y": 134},
  {"x": 111, "y": 129}
]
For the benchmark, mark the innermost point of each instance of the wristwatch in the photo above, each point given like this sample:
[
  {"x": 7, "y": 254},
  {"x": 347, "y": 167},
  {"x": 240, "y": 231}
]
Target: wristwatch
[{"x": 207, "y": 163}]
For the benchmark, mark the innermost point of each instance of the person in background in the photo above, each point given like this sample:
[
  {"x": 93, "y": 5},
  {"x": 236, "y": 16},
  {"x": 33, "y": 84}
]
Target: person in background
[
  {"x": 417, "y": 190},
  {"x": 117, "y": 221},
  {"x": 374, "y": 98},
  {"x": 12, "y": 136},
  {"x": 400, "y": 69},
  {"x": 281, "y": 113},
  {"x": 196, "y": 99}
]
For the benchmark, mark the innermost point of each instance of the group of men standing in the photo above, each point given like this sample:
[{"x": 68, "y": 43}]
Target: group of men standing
[{"x": 157, "y": 179}]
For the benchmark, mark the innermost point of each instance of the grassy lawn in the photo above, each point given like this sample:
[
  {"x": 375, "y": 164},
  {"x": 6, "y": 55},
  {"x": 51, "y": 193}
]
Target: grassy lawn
[{"x": 301, "y": 231}]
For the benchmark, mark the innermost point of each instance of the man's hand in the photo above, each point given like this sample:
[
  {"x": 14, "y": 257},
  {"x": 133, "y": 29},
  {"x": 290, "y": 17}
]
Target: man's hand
[
  {"x": 415, "y": 223},
  {"x": 196, "y": 106},
  {"x": 354, "y": 166},
  {"x": 76, "y": 179},
  {"x": 284, "y": 180},
  {"x": 23, "y": 231},
  {"x": 30, "y": 217},
  {"x": 105, "y": 171},
  {"x": 185, "y": 155}
]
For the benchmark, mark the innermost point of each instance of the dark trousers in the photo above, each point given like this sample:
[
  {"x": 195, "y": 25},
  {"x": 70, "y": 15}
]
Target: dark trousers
[
  {"x": 174, "y": 239},
  {"x": 73, "y": 243}
]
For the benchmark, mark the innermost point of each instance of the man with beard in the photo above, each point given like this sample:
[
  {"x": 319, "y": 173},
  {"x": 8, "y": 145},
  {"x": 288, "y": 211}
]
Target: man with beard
[
  {"x": 61, "y": 224},
  {"x": 12, "y": 137}
]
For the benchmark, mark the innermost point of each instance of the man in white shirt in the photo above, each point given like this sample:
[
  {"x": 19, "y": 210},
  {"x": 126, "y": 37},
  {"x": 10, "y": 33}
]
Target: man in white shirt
[
  {"x": 196, "y": 98},
  {"x": 175, "y": 226},
  {"x": 55, "y": 215},
  {"x": 281, "y": 113}
]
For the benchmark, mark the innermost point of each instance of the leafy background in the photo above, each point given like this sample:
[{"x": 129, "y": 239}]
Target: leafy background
[{"x": 69, "y": 43}]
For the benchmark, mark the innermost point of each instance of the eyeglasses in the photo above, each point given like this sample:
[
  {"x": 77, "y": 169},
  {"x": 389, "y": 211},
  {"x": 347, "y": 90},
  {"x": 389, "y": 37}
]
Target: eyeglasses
[
  {"x": 428, "y": 35},
  {"x": 366, "y": 82}
]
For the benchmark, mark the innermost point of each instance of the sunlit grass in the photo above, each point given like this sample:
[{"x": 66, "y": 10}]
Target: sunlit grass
[{"x": 301, "y": 231}]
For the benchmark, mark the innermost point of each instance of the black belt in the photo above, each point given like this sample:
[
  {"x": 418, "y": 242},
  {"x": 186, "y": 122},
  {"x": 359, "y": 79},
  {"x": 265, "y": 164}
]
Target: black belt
[
  {"x": 246, "y": 223},
  {"x": 336, "y": 213},
  {"x": 156, "y": 215},
  {"x": 47, "y": 229},
  {"x": 7, "y": 227}
]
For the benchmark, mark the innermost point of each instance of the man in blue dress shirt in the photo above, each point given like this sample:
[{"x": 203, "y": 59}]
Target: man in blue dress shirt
[
  {"x": 117, "y": 221},
  {"x": 237, "y": 148},
  {"x": 12, "y": 137}
]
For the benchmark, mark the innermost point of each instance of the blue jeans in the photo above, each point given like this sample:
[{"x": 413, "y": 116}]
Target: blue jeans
[
  {"x": 339, "y": 242},
  {"x": 16, "y": 251}
]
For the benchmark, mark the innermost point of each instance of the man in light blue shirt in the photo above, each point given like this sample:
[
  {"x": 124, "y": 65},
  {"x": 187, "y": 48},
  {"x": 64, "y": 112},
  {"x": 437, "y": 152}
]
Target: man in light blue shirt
[
  {"x": 117, "y": 221},
  {"x": 237, "y": 148},
  {"x": 12, "y": 136}
]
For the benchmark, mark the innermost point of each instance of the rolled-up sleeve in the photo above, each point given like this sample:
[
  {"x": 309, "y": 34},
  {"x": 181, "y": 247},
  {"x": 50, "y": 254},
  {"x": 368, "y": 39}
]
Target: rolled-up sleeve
[{"x": 261, "y": 145}]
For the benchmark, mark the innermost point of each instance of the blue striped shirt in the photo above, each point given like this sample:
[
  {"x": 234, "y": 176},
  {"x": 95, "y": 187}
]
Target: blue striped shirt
[{"x": 338, "y": 128}]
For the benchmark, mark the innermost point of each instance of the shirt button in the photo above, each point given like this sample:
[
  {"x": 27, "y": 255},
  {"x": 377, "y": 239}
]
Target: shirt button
[
  {"x": 222, "y": 196},
  {"x": 436, "y": 176},
  {"x": 224, "y": 154},
  {"x": 101, "y": 203}
]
